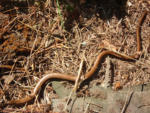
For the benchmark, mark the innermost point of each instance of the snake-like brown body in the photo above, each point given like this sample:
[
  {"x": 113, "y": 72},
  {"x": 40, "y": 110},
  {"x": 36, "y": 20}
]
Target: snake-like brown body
[{"x": 87, "y": 75}]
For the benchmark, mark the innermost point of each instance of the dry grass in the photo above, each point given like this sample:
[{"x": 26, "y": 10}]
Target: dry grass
[{"x": 36, "y": 42}]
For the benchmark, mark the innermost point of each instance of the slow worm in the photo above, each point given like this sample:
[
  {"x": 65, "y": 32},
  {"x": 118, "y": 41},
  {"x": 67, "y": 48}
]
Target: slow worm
[{"x": 87, "y": 75}]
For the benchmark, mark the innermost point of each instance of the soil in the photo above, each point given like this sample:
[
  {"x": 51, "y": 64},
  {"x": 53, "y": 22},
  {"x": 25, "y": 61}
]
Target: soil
[{"x": 50, "y": 36}]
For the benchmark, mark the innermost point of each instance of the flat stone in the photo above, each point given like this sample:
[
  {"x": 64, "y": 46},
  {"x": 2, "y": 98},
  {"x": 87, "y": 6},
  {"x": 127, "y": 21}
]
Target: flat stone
[{"x": 104, "y": 100}]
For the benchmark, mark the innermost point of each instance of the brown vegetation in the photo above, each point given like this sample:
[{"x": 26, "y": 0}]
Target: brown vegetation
[{"x": 44, "y": 38}]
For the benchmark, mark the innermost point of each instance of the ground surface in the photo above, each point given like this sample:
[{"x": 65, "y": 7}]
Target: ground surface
[{"x": 39, "y": 39}]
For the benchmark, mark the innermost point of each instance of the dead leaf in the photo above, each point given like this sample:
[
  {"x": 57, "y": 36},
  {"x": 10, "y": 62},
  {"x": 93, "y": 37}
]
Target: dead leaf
[
  {"x": 107, "y": 45},
  {"x": 117, "y": 86},
  {"x": 8, "y": 79}
]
